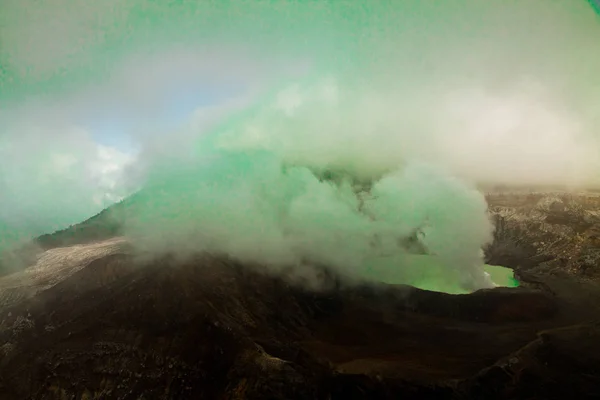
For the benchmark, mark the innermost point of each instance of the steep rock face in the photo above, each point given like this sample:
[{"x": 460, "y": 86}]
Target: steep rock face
[
  {"x": 542, "y": 368},
  {"x": 546, "y": 233}
]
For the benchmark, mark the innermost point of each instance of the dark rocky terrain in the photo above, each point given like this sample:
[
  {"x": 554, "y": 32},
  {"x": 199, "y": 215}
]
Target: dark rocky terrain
[{"x": 91, "y": 322}]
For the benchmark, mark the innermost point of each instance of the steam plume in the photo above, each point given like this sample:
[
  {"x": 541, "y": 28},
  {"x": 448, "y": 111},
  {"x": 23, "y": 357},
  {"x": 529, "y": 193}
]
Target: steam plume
[{"x": 400, "y": 105}]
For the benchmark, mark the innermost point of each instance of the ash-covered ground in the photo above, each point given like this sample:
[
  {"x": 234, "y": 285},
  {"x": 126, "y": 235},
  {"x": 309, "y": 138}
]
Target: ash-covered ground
[{"x": 88, "y": 320}]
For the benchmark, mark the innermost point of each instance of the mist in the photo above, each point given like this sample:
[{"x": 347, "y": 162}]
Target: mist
[{"x": 227, "y": 114}]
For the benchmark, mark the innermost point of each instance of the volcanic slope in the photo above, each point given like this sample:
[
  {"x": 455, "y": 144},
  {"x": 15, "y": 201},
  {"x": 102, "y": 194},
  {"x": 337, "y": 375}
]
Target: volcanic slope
[{"x": 89, "y": 320}]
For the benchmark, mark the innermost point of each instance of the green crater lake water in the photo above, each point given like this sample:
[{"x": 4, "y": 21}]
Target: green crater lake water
[{"x": 430, "y": 273}]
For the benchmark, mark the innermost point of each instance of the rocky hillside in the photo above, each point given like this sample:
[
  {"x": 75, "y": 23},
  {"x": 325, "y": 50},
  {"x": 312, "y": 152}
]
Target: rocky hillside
[
  {"x": 90, "y": 321},
  {"x": 548, "y": 233}
]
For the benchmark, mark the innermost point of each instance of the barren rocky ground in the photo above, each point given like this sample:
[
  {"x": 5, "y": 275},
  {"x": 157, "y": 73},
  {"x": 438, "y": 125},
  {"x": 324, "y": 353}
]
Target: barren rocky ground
[{"x": 88, "y": 321}]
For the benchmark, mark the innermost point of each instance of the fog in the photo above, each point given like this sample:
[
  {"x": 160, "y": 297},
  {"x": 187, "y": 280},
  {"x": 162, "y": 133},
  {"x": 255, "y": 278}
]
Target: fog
[{"x": 100, "y": 99}]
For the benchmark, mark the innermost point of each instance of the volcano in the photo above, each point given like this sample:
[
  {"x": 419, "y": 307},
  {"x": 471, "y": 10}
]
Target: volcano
[{"x": 88, "y": 319}]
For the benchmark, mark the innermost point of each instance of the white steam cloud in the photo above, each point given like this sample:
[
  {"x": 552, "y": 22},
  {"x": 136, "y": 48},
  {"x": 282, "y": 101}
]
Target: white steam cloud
[
  {"x": 249, "y": 190},
  {"x": 434, "y": 97}
]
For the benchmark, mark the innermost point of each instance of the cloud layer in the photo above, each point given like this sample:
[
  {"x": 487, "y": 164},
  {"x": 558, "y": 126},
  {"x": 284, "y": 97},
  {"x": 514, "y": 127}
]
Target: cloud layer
[
  {"x": 51, "y": 181},
  {"x": 476, "y": 91}
]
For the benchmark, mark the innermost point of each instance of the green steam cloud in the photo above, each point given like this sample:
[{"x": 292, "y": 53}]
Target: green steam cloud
[
  {"x": 364, "y": 162},
  {"x": 285, "y": 185}
]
